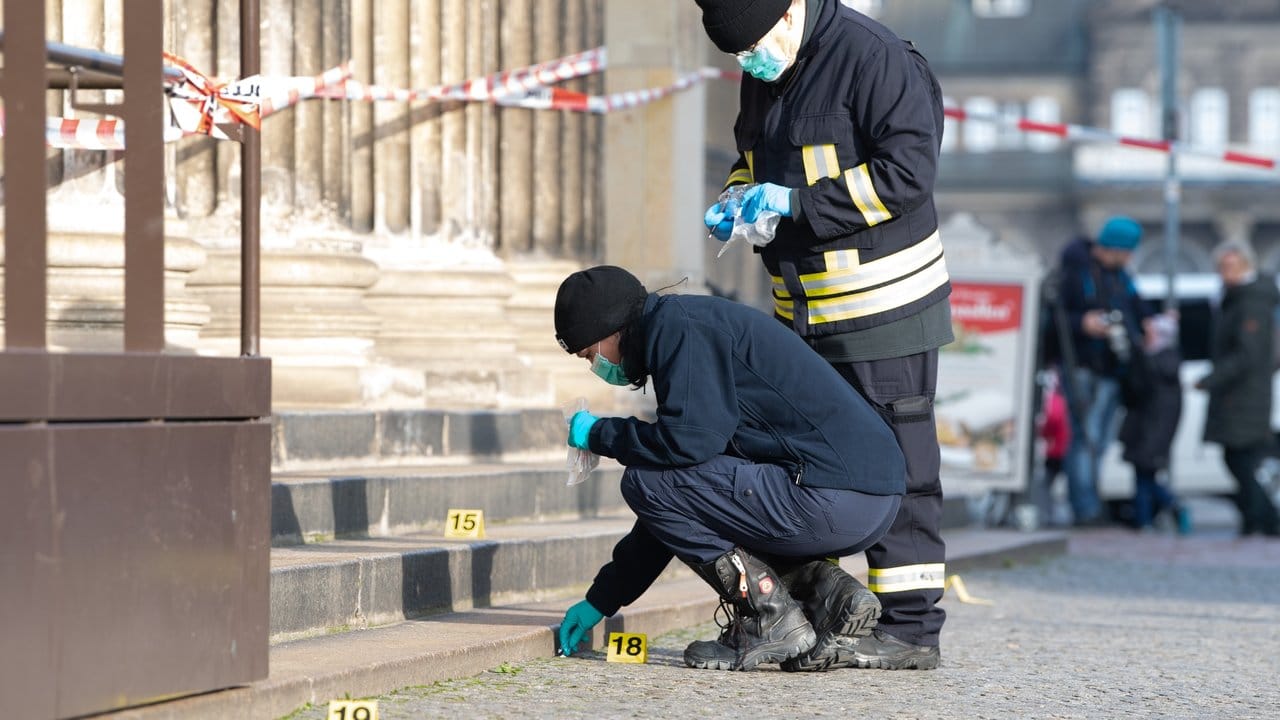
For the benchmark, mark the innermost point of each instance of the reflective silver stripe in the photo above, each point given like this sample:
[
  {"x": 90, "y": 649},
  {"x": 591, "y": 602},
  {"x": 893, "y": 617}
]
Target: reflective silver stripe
[
  {"x": 863, "y": 193},
  {"x": 888, "y": 297},
  {"x": 841, "y": 259},
  {"x": 928, "y": 576},
  {"x": 855, "y": 276}
]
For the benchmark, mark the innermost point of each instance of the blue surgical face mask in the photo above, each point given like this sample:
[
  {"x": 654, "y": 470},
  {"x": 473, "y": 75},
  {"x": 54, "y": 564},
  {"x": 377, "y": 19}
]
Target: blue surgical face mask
[
  {"x": 763, "y": 63},
  {"x": 607, "y": 370}
]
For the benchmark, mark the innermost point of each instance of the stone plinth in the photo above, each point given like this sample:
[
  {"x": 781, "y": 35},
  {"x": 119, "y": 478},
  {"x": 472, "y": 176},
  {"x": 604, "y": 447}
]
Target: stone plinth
[
  {"x": 315, "y": 325},
  {"x": 531, "y": 310},
  {"x": 449, "y": 325},
  {"x": 86, "y": 292}
]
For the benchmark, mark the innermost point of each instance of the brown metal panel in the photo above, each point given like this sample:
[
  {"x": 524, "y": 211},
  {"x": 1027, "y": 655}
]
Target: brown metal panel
[
  {"x": 135, "y": 386},
  {"x": 163, "y": 559},
  {"x": 28, "y": 568},
  {"x": 24, "y": 191},
  {"x": 250, "y": 191},
  {"x": 144, "y": 176}
]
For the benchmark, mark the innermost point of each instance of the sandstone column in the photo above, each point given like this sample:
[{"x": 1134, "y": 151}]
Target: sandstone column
[{"x": 654, "y": 153}]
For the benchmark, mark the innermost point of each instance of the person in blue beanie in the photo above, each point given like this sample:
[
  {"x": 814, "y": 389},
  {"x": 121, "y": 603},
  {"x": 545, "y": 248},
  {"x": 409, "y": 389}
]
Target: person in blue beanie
[
  {"x": 1105, "y": 316},
  {"x": 762, "y": 464}
]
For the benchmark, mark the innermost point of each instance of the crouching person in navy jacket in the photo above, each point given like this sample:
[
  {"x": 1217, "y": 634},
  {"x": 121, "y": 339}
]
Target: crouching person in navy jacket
[{"x": 763, "y": 462}]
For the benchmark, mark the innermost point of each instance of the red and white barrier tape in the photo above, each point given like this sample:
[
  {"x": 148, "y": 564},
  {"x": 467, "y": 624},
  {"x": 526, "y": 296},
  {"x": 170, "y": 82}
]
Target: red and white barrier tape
[
  {"x": 489, "y": 88},
  {"x": 557, "y": 99},
  {"x": 201, "y": 104},
  {"x": 1091, "y": 134}
]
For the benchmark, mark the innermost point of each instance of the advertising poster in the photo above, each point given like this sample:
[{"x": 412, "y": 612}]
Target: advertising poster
[{"x": 984, "y": 381}]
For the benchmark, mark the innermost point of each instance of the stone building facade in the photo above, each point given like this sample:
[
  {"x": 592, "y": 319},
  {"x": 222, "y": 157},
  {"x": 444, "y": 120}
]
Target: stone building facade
[{"x": 411, "y": 251}]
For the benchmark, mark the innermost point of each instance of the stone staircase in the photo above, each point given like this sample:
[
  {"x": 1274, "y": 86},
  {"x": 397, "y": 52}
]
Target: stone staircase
[
  {"x": 367, "y": 595},
  {"x": 360, "y": 500}
]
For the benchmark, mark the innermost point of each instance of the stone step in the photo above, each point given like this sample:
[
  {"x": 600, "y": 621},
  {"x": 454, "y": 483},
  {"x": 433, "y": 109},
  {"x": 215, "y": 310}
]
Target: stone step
[
  {"x": 465, "y": 642},
  {"x": 317, "y": 440},
  {"x": 358, "y": 583},
  {"x": 316, "y": 506}
]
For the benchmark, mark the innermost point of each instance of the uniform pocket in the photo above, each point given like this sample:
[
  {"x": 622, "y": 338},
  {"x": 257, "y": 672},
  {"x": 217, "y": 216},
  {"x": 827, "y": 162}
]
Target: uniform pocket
[
  {"x": 766, "y": 494},
  {"x": 913, "y": 409},
  {"x": 817, "y": 137}
]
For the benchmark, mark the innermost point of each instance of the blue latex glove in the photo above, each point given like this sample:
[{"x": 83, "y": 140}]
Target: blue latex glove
[
  {"x": 577, "y": 625},
  {"x": 580, "y": 428},
  {"x": 766, "y": 196},
  {"x": 718, "y": 222}
]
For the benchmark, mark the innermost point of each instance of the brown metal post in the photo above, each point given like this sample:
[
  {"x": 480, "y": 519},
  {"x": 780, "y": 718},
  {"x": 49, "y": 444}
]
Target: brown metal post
[
  {"x": 250, "y": 192},
  {"x": 144, "y": 177},
  {"x": 25, "y": 246}
]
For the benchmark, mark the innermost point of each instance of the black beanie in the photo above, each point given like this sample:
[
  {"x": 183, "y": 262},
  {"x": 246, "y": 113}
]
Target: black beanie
[
  {"x": 595, "y": 303},
  {"x": 735, "y": 25}
]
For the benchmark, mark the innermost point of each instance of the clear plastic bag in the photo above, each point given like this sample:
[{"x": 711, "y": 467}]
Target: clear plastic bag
[
  {"x": 580, "y": 463},
  {"x": 758, "y": 233}
]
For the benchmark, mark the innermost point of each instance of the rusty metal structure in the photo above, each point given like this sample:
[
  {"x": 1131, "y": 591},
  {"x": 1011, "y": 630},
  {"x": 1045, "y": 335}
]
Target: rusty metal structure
[{"x": 134, "y": 527}]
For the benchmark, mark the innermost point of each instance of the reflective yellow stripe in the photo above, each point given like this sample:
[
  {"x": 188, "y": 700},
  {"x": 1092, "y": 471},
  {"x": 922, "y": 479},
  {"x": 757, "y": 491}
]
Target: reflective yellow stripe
[
  {"x": 908, "y": 577},
  {"x": 841, "y": 292},
  {"x": 751, "y": 165},
  {"x": 819, "y": 162},
  {"x": 864, "y": 196},
  {"x": 741, "y": 175},
  {"x": 845, "y": 274},
  {"x": 881, "y": 299}
]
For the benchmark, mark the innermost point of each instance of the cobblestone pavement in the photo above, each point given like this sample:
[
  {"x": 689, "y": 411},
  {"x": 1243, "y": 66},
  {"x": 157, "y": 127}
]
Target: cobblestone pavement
[{"x": 1125, "y": 624}]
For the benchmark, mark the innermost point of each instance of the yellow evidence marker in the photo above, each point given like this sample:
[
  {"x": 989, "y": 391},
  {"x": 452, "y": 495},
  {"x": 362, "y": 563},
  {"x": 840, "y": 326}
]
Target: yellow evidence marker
[
  {"x": 628, "y": 648},
  {"x": 353, "y": 710},
  {"x": 464, "y": 524}
]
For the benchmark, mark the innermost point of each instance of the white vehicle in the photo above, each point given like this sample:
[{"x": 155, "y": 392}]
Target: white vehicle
[{"x": 1197, "y": 468}]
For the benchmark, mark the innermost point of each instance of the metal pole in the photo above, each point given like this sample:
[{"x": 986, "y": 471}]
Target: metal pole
[
  {"x": 1168, "y": 40},
  {"x": 250, "y": 192}
]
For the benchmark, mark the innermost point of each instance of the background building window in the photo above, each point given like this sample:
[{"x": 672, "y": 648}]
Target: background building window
[
  {"x": 1001, "y": 8},
  {"x": 1209, "y": 117},
  {"x": 1008, "y": 136},
  {"x": 1131, "y": 113},
  {"x": 1264, "y": 119},
  {"x": 1045, "y": 109},
  {"x": 980, "y": 135},
  {"x": 950, "y": 141}
]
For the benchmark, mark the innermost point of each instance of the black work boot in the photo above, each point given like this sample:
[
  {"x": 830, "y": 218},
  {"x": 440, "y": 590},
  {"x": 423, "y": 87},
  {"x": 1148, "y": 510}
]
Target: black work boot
[
  {"x": 884, "y": 651},
  {"x": 718, "y": 654},
  {"x": 766, "y": 625},
  {"x": 836, "y": 605}
]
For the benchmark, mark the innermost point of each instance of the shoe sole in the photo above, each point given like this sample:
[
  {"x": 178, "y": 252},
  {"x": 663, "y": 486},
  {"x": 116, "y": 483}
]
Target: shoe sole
[
  {"x": 920, "y": 662},
  {"x": 796, "y": 643},
  {"x": 859, "y": 617}
]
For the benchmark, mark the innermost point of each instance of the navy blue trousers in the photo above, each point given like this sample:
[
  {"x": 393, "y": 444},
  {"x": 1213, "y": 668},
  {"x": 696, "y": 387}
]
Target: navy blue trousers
[
  {"x": 703, "y": 511},
  {"x": 907, "y": 566}
]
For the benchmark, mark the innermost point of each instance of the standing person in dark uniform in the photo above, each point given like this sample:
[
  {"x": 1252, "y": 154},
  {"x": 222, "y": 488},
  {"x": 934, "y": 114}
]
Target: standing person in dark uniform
[
  {"x": 1239, "y": 386},
  {"x": 839, "y": 128},
  {"x": 761, "y": 464},
  {"x": 1150, "y": 424},
  {"x": 1105, "y": 315}
]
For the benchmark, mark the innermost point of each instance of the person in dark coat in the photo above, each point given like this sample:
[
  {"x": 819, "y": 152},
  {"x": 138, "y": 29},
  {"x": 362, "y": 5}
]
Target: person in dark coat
[
  {"x": 1105, "y": 315},
  {"x": 1239, "y": 416},
  {"x": 1149, "y": 425},
  {"x": 761, "y": 464}
]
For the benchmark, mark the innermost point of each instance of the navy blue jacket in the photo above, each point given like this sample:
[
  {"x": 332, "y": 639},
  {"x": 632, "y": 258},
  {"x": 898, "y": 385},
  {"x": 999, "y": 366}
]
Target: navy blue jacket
[
  {"x": 1086, "y": 285},
  {"x": 729, "y": 380}
]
